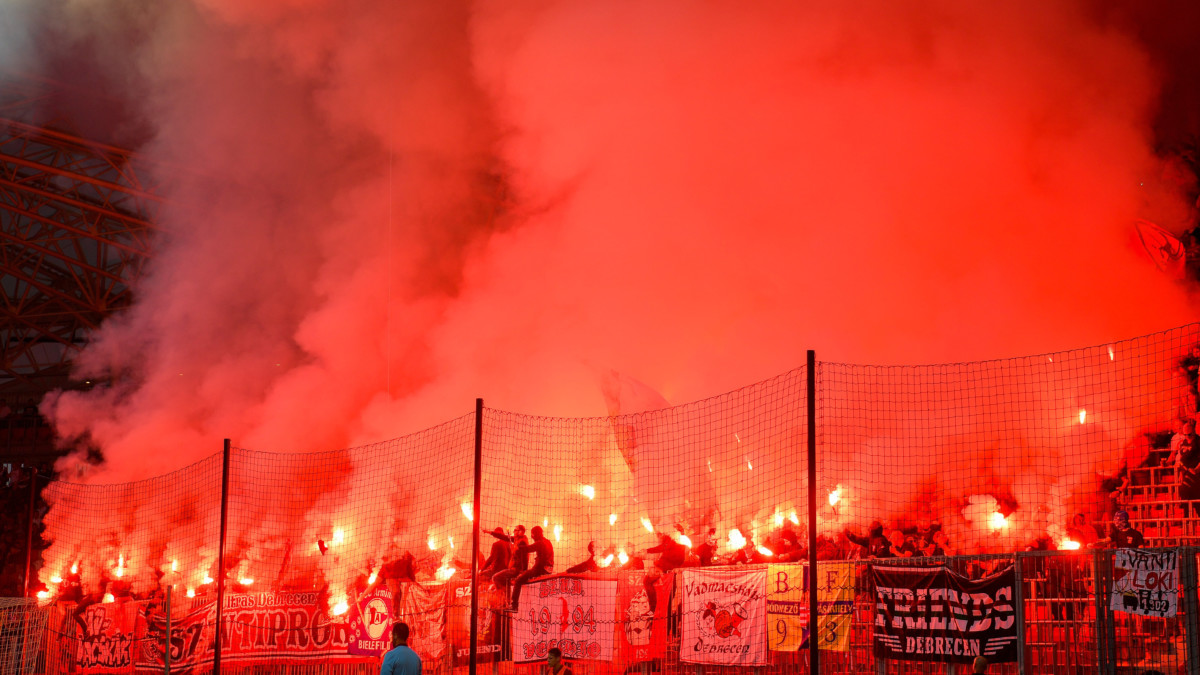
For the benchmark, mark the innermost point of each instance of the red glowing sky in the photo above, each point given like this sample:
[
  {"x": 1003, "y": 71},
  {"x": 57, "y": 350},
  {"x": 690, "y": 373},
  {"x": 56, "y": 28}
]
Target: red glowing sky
[{"x": 393, "y": 208}]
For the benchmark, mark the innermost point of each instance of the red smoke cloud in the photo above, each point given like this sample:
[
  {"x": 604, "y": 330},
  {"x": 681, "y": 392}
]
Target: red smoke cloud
[{"x": 392, "y": 208}]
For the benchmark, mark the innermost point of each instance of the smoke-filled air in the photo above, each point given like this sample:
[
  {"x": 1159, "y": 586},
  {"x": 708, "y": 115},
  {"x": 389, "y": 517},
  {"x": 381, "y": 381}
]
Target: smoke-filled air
[{"x": 377, "y": 212}]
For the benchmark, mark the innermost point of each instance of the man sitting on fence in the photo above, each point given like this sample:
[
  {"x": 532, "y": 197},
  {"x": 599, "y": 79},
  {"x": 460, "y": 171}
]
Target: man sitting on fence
[
  {"x": 519, "y": 560},
  {"x": 543, "y": 563}
]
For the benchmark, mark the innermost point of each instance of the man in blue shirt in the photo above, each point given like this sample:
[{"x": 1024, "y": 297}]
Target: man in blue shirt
[{"x": 400, "y": 660}]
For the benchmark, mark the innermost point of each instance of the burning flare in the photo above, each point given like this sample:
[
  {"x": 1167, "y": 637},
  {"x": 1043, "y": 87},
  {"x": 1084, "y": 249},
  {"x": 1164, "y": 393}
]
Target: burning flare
[
  {"x": 647, "y": 524},
  {"x": 835, "y": 496},
  {"x": 588, "y": 491},
  {"x": 468, "y": 512},
  {"x": 736, "y": 540}
]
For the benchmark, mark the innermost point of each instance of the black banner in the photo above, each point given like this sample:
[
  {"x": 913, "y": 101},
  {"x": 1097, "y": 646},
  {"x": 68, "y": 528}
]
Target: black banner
[{"x": 933, "y": 614}]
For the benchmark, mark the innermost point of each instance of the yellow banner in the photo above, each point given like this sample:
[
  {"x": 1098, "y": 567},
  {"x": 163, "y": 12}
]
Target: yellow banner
[{"x": 787, "y": 605}]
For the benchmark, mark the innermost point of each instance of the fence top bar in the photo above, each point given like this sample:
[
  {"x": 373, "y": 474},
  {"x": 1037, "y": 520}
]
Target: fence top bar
[{"x": 1194, "y": 328}]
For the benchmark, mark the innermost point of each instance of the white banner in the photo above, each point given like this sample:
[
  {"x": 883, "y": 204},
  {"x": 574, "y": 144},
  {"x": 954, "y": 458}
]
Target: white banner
[
  {"x": 1145, "y": 582},
  {"x": 724, "y": 617},
  {"x": 576, "y": 615}
]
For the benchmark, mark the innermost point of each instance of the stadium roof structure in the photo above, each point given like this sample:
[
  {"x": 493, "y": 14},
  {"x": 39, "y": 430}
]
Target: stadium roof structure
[{"x": 76, "y": 223}]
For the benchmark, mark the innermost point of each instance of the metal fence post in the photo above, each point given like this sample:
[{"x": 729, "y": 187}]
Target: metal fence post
[
  {"x": 167, "y": 635},
  {"x": 1188, "y": 578},
  {"x": 814, "y": 644},
  {"x": 221, "y": 559},
  {"x": 475, "y": 538},
  {"x": 1019, "y": 602},
  {"x": 1106, "y": 637}
]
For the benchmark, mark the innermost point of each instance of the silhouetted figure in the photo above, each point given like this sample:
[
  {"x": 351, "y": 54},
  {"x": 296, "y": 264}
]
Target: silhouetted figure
[
  {"x": 543, "y": 563},
  {"x": 671, "y": 556}
]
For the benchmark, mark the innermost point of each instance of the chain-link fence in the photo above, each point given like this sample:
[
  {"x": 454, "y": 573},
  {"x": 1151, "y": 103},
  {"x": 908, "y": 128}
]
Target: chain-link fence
[{"x": 650, "y": 524}]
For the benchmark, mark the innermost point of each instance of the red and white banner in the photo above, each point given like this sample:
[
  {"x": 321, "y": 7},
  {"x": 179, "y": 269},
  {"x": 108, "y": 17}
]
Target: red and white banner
[
  {"x": 640, "y": 637},
  {"x": 1145, "y": 582},
  {"x": 258, "y": 628},
  {"x": 105, "y": 634},
  {"x": 569, "y": 612},
  {"x": 423, "y": 608},
  {"x": 281, "y": 628},
  {"x": 724, "y": 617},
  {"x": 458, "y": 622},
  {"x": 371, "y": 624},
  {"x": 191, "y": 640}
]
